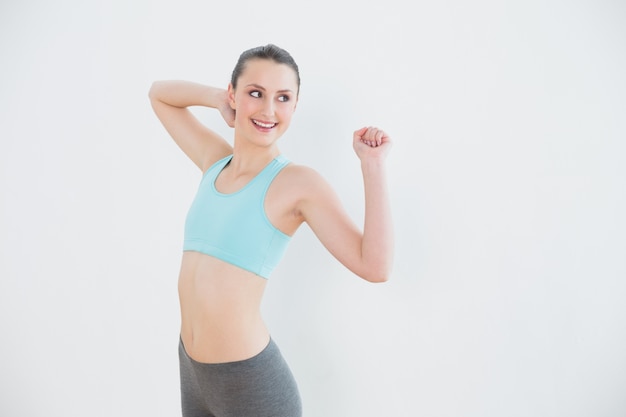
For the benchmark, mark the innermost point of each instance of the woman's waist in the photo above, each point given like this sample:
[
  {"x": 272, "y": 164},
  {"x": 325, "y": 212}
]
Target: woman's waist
[
  {"x": 220, "y": 309},
  {"x": 224, "y": 338},
  {"x": 215, "y": 314}
]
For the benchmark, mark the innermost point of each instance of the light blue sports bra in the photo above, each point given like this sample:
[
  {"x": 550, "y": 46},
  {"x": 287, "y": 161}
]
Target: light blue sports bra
[{"x": 234, "y": 227}]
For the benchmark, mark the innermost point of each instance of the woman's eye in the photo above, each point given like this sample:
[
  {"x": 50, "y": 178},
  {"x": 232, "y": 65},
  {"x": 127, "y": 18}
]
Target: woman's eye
[
  {"x": 255, "y": 93},
  {"x": 283, "y": 98}
]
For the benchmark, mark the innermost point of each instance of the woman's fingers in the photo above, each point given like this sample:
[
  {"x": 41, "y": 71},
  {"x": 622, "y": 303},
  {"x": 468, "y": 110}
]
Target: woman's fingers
[{"x": 371, "y": 136}]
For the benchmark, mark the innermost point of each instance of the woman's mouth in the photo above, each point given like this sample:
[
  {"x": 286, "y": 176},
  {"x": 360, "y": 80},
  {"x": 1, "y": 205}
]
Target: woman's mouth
[{"x": 264, "y": 125}]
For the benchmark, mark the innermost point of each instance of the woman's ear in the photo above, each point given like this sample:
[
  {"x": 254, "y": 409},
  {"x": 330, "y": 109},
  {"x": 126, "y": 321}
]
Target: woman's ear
[{"x": 231, "y": 96}]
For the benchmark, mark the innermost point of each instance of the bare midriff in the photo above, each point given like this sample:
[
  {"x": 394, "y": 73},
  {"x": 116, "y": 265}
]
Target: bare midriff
[{"x": 220, "y": 310}]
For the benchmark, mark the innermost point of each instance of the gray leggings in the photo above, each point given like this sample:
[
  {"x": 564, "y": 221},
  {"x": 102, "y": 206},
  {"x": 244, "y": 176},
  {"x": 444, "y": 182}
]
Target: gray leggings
[{"x": 261, "y": 386}]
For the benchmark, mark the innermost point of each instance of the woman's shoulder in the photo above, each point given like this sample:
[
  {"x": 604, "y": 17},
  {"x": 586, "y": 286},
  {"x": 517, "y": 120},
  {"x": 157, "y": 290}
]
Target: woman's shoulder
[
  {"x": 302, "y": 174},
  {"x": 303, "y": 181}
]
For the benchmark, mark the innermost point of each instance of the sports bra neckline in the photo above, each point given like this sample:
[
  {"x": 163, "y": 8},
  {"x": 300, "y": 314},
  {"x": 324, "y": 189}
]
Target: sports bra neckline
[{"x": 224, "y": 163}]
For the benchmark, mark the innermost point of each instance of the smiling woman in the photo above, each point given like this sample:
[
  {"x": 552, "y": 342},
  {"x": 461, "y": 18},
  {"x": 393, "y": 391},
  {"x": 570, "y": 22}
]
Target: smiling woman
[
  {"x": 267, "y": 95},
  {"x": 250, "y": 201}
]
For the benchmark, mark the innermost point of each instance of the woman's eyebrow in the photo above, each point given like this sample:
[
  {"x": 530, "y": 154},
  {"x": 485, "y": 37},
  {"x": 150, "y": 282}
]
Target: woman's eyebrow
[{"x": 259, "y": 87}]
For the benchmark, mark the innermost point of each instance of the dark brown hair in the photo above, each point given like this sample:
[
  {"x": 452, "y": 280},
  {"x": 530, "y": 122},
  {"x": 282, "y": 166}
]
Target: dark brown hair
[{"x": 270, "y": 52}]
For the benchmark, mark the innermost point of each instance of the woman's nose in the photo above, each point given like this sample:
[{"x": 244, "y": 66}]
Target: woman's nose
[{"x": 268, "y": 107}]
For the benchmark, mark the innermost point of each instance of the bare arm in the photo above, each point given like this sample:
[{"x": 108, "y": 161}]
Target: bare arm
[
  {"x": 368, "y": 254},
  {"x": 377, "y": 243},
  {"x": 170, "y": 101}
]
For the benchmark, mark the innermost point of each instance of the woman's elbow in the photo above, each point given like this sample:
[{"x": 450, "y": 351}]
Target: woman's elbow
[
  {"x": 153, "y": 91},
  {"x": 376, "y": 276},
  {"x": 376, "y": 268},
  {"x": 379, "y": 279}
]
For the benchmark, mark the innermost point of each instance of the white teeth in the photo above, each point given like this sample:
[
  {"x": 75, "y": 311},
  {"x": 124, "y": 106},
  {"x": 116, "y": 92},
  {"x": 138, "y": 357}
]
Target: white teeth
[{"x": 264, "y": 125}]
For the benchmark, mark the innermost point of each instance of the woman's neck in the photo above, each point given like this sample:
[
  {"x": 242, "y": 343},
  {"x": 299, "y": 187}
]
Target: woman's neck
[{"x": 251, "y": 159}]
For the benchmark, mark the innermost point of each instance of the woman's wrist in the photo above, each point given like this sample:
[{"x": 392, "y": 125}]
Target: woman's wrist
[
  {"x": 373, "y": 164},
  {"x": 215, "y": 97}
]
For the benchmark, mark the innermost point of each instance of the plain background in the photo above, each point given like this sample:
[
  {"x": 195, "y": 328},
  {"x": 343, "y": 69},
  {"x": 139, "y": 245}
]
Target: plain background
[{"x": 507, "y": 180}]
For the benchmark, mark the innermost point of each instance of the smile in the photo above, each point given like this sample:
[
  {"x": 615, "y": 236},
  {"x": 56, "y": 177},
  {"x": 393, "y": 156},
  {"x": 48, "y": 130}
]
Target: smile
[{"x": 264, "y": 125}]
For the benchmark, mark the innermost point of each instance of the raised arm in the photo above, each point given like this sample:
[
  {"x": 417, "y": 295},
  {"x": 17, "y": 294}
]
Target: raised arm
[
  {"x": 170, "y": 101},
  {"x": 368, "y": 254}
]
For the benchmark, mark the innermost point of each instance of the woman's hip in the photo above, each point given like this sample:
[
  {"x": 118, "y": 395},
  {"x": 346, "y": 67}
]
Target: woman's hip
[{"x": 262, "y": 385}]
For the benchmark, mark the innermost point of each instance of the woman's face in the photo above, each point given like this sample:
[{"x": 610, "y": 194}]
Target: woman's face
[{"x": 264, "y": 101}]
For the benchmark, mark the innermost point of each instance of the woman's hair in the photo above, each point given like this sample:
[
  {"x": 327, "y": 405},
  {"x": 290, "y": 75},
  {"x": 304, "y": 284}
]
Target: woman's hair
[{"x": 270, "y": 52}]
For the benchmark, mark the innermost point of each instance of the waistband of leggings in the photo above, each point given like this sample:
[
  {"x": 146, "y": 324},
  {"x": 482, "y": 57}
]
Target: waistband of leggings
[{"x": 269, "y": 351}]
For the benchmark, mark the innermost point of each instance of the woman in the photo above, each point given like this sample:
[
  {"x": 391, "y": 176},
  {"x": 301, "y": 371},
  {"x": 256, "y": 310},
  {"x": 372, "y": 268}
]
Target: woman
[{"x": 250, "y": 202}]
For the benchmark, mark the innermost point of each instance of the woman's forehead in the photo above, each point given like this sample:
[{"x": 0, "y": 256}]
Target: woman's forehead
[{"x": 268, "y": 74}]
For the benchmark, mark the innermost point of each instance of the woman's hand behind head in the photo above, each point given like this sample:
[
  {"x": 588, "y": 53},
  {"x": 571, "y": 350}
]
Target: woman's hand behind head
[{"x": 227, "y": 112}]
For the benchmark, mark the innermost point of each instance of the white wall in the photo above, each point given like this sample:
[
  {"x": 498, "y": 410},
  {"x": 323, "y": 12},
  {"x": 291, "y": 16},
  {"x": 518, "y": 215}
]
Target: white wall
[{"x": 507, "y": 179}]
